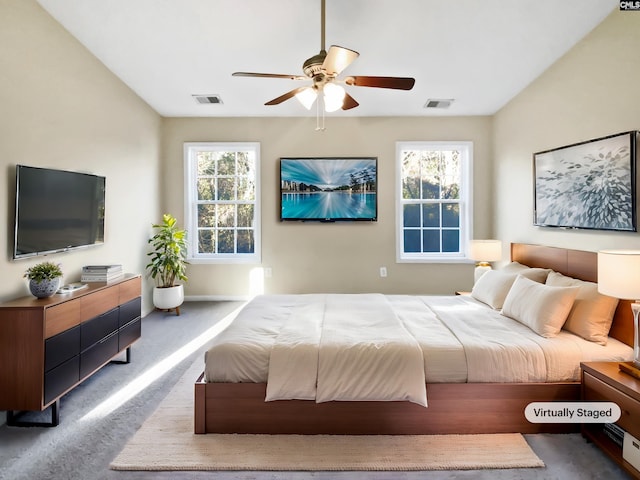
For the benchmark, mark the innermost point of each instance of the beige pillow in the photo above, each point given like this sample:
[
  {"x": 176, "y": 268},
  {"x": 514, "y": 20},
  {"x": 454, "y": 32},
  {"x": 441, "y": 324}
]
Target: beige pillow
[
  {"x": 592, "y": 312},
  {"x": 492, "y": 288},
  {"x": 540, "y": 307},
  {"x": 537, "y": 274},
  {"x": 513, "y": 267}
]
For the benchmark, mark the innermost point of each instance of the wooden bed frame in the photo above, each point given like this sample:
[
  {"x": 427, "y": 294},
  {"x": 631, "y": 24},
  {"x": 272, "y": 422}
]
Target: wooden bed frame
[{"x": 453, "y": 408}]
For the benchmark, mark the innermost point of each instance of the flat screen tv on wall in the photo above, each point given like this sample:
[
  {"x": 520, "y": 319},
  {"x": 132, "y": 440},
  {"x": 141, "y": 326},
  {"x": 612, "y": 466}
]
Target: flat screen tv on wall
[
  {"x": 329, "y": 189},
  {"x": 56, "y": 211}
]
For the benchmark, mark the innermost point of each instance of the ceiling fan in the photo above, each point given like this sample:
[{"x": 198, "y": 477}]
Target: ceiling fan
[{"x": 323, "y": 69}]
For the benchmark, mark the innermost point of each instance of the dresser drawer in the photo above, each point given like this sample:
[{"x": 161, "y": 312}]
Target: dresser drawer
[
  {"x": 130, "y": 333},
  {"x": 98, "y": 303},
  {"x": 95, "y": 330},
  {"x": 99, "y": 354},
  {"x": 596, "y": 390},
  {"x": 61, "y": 347},
  {"x": 129, "y": 290},
  {"x": 61, "y": 378},
  {"x": 130, "y": 311},
  {"x": 61, "y": 317}
]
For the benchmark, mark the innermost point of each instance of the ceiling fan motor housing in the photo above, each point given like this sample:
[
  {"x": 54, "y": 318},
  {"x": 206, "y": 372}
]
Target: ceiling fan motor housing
[{"x": 313, "y": 66}]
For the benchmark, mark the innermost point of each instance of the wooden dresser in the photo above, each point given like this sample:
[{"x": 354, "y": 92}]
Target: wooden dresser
[{"x": 50, "y": 345}]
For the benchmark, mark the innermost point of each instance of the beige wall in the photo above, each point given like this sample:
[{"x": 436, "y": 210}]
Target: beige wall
[
  {"x": 591, "y": 92},
  {"x": 61, "y": 108},
  {"x": 319, "y": 257}
]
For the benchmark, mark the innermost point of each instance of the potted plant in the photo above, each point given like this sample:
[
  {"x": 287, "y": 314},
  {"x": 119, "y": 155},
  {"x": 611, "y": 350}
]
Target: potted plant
[
  {"x": 168, "y": 263},
  {"x": 44, "y": 279}
]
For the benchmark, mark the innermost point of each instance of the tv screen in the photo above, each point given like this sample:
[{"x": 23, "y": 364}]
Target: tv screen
[
  {"x": 328, "y": 189},
  {"x": 57, "y": 210}
]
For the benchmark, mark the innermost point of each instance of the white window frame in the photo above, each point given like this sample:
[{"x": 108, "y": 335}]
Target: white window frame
[
  {"x": 465, "y": 202},
  {"x": 191, "y": 203}
]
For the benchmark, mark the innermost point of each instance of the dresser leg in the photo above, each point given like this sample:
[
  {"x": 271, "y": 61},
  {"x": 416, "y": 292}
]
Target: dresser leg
[
  {"x": 127, "y": 358},
  {"x": 13, "y": 418},
  {"x": 55, "y": 413}
]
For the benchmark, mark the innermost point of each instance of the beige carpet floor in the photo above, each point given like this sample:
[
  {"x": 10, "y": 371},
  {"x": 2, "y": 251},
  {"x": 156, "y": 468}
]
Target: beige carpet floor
[{"x": 166, "y": 442}]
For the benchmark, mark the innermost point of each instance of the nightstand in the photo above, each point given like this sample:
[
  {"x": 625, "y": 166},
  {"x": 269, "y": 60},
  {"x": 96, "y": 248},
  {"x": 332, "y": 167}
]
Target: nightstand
[{"x": 604, "y": 382}]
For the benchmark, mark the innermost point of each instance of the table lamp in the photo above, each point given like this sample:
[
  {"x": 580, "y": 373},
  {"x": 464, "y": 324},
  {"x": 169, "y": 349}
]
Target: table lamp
[
  {"x": 619, "y": 276},
  {"x": 483, "y": 252}
]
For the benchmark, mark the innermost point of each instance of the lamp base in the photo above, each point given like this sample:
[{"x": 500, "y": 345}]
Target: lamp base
[
  {"x": 480, "y": 270},
  {"x": 630, "y": 368}
]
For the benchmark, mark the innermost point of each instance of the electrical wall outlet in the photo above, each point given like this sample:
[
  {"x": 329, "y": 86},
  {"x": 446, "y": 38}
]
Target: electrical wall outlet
[
  {"x": 268, "y": 273},
  {"x": 383, "y": 272}
]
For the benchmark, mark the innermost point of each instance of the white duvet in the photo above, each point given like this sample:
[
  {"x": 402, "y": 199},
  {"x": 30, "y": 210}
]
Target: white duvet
[
  {"x": 345, "y": 347},
  {"x": 387, "y": 347}
]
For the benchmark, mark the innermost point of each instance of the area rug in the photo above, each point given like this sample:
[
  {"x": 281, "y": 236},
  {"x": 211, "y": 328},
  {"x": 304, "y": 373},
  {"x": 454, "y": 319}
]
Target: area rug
[{"x": 166, "y": 441}]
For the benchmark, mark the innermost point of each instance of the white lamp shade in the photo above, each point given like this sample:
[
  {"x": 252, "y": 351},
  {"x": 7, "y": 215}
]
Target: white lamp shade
[
  {"x": 333, "y": 97},
  {"x": 306, "y": 97},
  {"x": 619, "y": 273},
  {"x": 485, "y": 250}
]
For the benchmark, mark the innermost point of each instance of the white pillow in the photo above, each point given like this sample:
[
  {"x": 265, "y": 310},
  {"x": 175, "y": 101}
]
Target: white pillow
[
  {"x": 592, "y": 312},
  {"x": 492, "y": 288},
  {"x": 540, "y": 307}
]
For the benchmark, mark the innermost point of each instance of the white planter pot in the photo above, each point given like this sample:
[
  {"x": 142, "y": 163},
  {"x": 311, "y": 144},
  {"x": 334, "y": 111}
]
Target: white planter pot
[{"x": 168, "y": 298}]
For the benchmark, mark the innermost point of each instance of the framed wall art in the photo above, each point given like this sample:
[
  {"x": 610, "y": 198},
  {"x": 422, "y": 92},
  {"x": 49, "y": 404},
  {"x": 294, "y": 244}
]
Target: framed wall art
[{"x": 589, "y": 185}]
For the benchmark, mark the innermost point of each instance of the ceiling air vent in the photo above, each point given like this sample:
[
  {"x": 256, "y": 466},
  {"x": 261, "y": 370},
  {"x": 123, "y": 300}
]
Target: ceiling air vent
[
  {"x": 208, "y": 99},
  {"x": 438, "y": 103}
]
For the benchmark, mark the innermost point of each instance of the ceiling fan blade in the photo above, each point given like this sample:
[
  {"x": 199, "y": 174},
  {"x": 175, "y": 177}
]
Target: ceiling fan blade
[
  {"x": 398, "y": 83},
  {"x": 286, "y": 96},
  {"x": 268, "y": 75},
  {"x": 349, "y": 102},
  {"x": 337, "y": 59}
]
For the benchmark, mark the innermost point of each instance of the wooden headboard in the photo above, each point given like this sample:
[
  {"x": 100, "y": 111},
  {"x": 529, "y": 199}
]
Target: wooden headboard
[{"x": 577, "y": 264}]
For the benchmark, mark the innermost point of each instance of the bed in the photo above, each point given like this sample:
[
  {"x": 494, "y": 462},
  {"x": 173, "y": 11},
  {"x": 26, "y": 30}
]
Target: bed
[{"x": 457, "y": 401}]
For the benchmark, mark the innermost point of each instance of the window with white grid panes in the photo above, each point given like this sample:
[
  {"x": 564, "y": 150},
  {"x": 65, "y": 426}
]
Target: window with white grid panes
[
  {"x": 433, "y": 199},
  {"x": 222, "y": 202}
]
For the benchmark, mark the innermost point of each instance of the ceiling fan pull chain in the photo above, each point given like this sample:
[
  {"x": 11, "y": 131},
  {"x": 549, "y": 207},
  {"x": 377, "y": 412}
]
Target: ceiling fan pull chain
[{"x": 319, "y": 114}]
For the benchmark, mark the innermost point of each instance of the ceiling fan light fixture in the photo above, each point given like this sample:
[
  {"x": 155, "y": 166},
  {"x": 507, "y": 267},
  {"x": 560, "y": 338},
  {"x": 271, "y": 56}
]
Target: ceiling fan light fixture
[
  {"x": 333, "y": 97},
  {"x": 307, "y": 96}
]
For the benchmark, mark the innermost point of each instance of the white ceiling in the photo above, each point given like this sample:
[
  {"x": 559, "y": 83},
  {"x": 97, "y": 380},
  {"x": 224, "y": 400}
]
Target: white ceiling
[{"x": 479, "y": 52}]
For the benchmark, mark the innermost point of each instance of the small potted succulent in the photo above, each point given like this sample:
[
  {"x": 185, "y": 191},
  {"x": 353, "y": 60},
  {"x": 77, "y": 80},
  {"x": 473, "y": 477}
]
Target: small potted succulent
[{"x": 44, "y": 279}]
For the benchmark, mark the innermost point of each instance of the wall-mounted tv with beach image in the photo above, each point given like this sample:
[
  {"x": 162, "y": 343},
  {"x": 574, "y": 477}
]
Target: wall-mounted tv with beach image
[{"x": 328, "y": 189}]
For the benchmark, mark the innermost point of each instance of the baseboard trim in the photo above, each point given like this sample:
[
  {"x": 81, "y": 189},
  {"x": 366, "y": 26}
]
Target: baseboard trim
[
  {"x": 216, "y": 298},
  {"x": 205, "y": 298}
]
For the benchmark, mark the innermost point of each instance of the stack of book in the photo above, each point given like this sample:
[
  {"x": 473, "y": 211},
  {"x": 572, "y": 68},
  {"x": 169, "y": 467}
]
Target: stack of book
[
  {"x": 614, "y": 432},
  {"x": 101, "y": 273}
]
